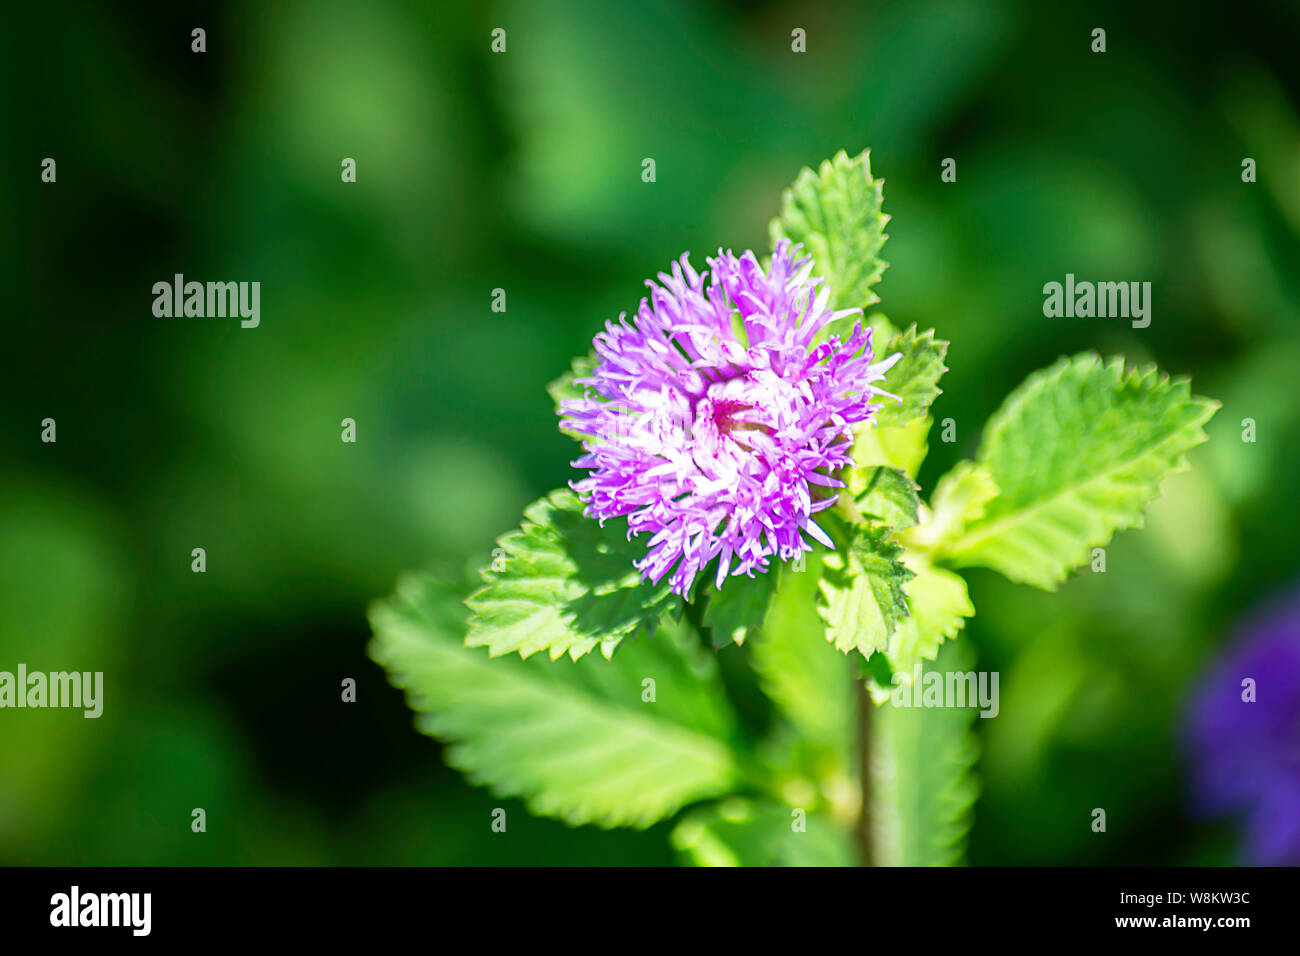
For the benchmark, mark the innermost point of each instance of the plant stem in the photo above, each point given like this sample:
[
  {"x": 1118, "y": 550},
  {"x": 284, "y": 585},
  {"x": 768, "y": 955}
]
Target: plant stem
[{"x": 866, "y": 851}]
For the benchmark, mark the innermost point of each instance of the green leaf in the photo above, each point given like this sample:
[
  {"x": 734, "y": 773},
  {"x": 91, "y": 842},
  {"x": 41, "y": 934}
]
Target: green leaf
[
  {"x": 960, "y": 498},
  {"x": 740, "y": 832},
  {"x": 564, "y": 584},
  {"x": 914, "y": 378},
  {"x": 922, "y": 785},
  {"x": 566, "y": 387},
  {"x": 903, "y": 447},
  {"x": 1077, "y": 452},
  {"x": 737, "y": 610},
  {"x": 835, "y": 213},
  {"x": 939, "y": 604},
  {"x": 574, "y": 739},
  {"x": 896, "y": 435},
  {"x": 796, "y": 667},
  {"x": 882, "y": 330},
  {"x": 862, "y": 596},
  {"x": 885, "y": 493}
]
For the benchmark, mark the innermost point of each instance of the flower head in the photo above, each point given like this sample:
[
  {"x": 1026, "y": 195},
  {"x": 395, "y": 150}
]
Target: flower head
[
  {"x": 716, "y": 424},
  {"x": 1245, "y": 738}
]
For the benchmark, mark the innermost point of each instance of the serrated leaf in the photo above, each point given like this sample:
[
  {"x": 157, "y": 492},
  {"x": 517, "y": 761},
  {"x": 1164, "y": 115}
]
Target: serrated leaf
[
  {"x": 939, "y": 604},
  {"x": 885, "y": 493},
  {"x": 575, "y": 740},
  {"x": 737, "y": 610},
  {"x": 563, "y": 584},
  {"x": 1077, "y": 452},
  {"x": 566, "y": 387},
  {"x": 901, "y": 447},
  {"x": 835, "y": 213},
  {"x": 738, "y": 832},
  {"x": 882, "y": 330},
  {"x": 960, "y": 499},
  {"x": 896, "y": 435},
  {"x": 862, "y": 597},
  {"x": 914, "y": 378},
  {"x": 922, "y": 783}
]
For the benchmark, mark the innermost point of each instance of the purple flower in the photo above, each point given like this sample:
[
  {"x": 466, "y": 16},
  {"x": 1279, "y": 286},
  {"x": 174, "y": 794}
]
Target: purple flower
[
  {"x": 1246, "y": 755},
  {"x": 717, "y": 425}
]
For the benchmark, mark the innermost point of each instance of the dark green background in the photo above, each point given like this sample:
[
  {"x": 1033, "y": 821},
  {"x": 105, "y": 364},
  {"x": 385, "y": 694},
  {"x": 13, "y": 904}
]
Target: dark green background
[{"x": 522, "y": 171}]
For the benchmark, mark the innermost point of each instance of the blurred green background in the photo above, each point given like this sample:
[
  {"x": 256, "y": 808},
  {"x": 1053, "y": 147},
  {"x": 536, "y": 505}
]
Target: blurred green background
[{"x": 522, "y": 171}]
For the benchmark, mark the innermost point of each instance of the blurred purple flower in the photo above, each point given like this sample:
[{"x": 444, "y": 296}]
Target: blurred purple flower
[
  {"x": 715, "y": 415},
  {"x": 1246, "y": 755}
]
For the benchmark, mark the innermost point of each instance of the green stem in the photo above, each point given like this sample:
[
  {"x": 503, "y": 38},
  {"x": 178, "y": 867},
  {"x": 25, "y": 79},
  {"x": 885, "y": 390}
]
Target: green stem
[{"x": 862, "y": 833}]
